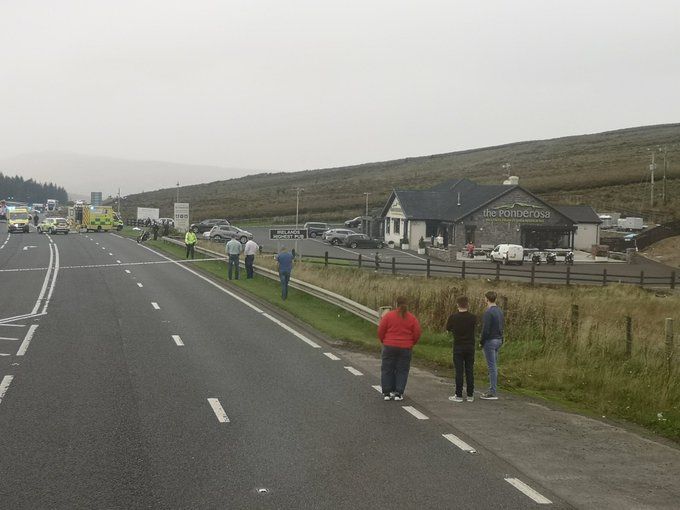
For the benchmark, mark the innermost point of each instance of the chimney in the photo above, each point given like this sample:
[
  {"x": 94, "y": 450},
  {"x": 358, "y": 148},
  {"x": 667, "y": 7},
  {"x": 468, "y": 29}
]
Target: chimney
[
  {"x": 512, "y": 180},
  {"x": 458, "y": 199}
]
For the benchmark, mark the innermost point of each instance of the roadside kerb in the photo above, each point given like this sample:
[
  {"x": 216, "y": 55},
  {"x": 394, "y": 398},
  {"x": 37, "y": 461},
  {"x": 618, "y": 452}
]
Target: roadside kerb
[{"x": 330, "y": 297}]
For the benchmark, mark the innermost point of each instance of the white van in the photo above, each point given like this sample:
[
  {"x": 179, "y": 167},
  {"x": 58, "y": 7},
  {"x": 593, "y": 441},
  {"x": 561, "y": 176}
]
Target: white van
[{"x": 508, "y": 254}]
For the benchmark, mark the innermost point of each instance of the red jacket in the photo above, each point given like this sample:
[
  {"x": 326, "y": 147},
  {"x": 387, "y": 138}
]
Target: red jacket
[{"x": 397, "y": 331}]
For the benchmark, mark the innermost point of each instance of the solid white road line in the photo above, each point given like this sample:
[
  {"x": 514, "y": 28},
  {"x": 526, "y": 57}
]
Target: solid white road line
[
  {"x": 459, "y": 443},
  {"x": 331, "y": 356},
  {"x": 178, "y": 340},
  {"x": 127, "y": 271},
  {"x": 415, "y": 412},
  {"x": 55, "y": 273},
  {"x": 139, "y": 285},
  {"x": 377, "y": 388},
  {"x": 45, "y": 282},
  {"x": 292, "y": 331},
  {"x": 27, "y": 340},
  {"x": 218, "y": 410},
  {"x": 4, "y": 385},
  {"x": 155, "y": 305},
  {"x": 353, "y": 370},
  {"x": 528, "y": 491}
]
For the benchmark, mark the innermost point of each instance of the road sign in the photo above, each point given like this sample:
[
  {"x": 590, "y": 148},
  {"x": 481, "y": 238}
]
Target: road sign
[
  {"x": 282, "y": 234},
  {"x": 181, "y": 216}
]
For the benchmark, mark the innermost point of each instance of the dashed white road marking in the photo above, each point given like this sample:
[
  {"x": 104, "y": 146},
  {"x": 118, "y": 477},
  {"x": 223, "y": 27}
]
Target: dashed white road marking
[
  {"x": 528, "y": 491},
  {"x": 4, "y": 385},
  {"x": 7, "y": 338},
  {"x": 27, "y": 340},
  {"x": 139, "y": 285},
  {"x": 13, "y": 325},
  {"x": 292, "y": 331},
  {"x": 353, "y": 370},
  {"x": 127, "y": 271},
  {"x": 155, "y": 305},
  {"x": 178, "y": 340},
  {"x": 377, "y": 388},
  {"x": 118, "y": 262},
  {"x": 111, "y": 254},
  {"x": 412, "y": 410},
  {"x": 459, "y": 443},
  {"x": 331, "y": 356},
  {"x": 218, "y": 410},
  {"x": 97, "y": 244}
]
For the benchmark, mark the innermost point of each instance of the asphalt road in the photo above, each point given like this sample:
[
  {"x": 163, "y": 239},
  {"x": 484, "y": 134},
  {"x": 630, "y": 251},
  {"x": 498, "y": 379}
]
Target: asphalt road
[{"x": 127, "y": 381}]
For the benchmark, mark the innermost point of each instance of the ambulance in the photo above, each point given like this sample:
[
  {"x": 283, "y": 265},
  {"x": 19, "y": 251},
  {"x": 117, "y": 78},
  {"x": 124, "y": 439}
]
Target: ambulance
[
  {"x": 18, "y": 219},
  {"x": 93, "y": 218}
]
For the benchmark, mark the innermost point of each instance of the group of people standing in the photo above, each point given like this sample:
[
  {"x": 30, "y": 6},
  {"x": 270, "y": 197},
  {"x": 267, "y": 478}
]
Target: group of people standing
[{"x": 399, "y": 330}]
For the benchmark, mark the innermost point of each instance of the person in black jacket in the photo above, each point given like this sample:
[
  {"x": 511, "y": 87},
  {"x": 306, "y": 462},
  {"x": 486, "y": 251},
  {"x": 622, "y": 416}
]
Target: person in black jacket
[{"x": 462, "y": 325}]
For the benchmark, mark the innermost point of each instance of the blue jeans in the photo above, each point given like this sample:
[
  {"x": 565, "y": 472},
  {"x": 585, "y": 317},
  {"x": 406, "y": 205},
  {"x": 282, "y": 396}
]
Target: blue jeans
[
  {"x": 249, "y": 265},
  {"x": 396, "y": 363},
  {"x": 233, "y": 263},
  {"x": 284, "y": 276},
  {"x": 491, "y": 348}
]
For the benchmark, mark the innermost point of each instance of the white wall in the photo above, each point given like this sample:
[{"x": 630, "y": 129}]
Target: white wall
[
  {"x": 587, "y": 234},
  {"x": 395, "y": 213},
  {"x": 416, "y": 231}
]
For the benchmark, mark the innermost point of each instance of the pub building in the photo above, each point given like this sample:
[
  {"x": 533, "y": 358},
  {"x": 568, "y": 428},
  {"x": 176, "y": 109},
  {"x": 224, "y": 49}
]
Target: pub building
[{"x": 461, "y": 211}]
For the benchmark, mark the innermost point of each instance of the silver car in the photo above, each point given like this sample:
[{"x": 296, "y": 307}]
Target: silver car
[
  {"x": 222, "y": 233},
  {"x": 336, "y": 236}
]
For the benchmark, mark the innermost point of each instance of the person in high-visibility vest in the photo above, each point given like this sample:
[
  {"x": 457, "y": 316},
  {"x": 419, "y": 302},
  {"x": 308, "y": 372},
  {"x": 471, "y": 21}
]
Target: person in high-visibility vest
[{"x": 190, "y": 241}]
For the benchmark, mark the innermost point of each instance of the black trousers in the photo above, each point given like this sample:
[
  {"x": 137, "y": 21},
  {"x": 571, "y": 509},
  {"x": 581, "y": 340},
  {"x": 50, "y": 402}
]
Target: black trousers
[
  {"x": 464, "y": 364},
  {"x": 249, "y": 265},
  {"x": 190, "y": 251}
]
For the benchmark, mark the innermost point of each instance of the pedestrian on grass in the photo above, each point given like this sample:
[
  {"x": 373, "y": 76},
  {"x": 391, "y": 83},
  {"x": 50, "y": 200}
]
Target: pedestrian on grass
[
  {"x": 156, "y": 227},
  {"x": 462, "y": 325},
  {"x": 284, "y": 259},
  {"x": 399, "y": 331},
  {"x": 249, "y": 250},
  {"x": 190, "y": 242},
  {"x": 234, "y": 249},
  {"x": 491, "y": 341}
]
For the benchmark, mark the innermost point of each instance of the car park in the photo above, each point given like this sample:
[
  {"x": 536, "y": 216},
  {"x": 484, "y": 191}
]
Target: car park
[
  {"x": 315, "y": 229},
  {"x": 206, "y": 225},
  {"x": 363, "y": 241},
  {"x": 353, "y": 223},
  {"x": 53, "y": 226},
  {"x": 336, "y": 236},
  {"x": 221, "y": 233}
]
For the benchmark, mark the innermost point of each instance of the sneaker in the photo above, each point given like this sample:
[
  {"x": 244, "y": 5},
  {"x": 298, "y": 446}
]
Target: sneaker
[
  {"x": 455, "y": 398},
  {"x": 488, "y": 396},
  {"x": 387, "y": 396},
  {"x": 471, "y": 398},
  {"x": 398, "y": 397}
]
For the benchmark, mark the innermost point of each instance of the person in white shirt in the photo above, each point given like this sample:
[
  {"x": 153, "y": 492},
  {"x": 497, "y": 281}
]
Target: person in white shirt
[
  {"x": 233, "y": 249},
  {"x": 249, "y": 250}
]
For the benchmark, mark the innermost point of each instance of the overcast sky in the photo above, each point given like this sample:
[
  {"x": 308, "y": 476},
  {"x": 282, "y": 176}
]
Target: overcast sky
[{"x": 290, "y": 85}]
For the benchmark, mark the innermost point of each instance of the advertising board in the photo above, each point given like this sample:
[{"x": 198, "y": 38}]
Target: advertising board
[
  {"x": 144, "y": 213},
  {"x": 281, "y": 234}
]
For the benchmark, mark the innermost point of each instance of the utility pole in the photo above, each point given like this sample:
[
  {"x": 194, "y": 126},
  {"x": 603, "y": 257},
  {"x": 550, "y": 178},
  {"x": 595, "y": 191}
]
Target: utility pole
[
  {"x": 652, "y": 167},
  {"x": 665, "y": 168},
  {"x": 177, "y": 191},
  {"x": 366, "y": 193},
  {"x": 119, "y": 202}
]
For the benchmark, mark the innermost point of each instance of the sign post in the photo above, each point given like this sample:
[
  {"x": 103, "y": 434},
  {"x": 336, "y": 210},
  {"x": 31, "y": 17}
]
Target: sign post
[
  {"x": 286, "y": 234},
  {"x": 181, "y": 216}
]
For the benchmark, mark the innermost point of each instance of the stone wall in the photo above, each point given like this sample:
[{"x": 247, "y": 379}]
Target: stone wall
[{"x": 448, "y": 254}]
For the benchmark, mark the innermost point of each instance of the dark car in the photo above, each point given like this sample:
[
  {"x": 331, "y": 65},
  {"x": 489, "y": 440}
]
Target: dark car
[
  {"x": 316, "y": 229},
  {"x": 354, "y": 223},
  {"x": 206, "y": 225},
  {"x": 363, "y": 241}
]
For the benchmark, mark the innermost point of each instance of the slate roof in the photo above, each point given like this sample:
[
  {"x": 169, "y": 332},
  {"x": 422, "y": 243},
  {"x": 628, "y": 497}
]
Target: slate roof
[{"x": 578, "y": 213}]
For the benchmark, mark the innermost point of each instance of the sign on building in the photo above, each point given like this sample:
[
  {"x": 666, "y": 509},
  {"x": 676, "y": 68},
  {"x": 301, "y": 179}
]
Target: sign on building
[
  {"x": 181, "y": 216},
  {"x": 150, "y": 213},
  {"x": 282, "y": 234}
]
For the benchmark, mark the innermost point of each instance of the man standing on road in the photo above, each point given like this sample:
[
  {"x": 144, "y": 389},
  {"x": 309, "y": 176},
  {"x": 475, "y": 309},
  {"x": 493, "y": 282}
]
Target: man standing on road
[
  {"x": 234, "y": 249},
  {"x": 249, "y": 250},
  {"x": 285, "y": 261},
  {"x": 190, "y": 242},
  {"x": 462, "y": 325},
  {"x": 492, "y": 339}
]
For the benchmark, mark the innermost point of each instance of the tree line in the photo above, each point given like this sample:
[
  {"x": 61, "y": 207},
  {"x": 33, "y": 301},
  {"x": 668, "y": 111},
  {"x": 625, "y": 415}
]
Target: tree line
[{"x": 20, "y": 190}]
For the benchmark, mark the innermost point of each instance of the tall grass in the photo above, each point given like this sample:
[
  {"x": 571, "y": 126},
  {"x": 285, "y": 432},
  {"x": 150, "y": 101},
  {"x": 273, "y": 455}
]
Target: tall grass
[{"x": 582, "y": 364}]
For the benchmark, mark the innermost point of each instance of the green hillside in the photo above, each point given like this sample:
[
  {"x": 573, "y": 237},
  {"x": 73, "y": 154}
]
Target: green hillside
[{"x": 607, "y": 170}]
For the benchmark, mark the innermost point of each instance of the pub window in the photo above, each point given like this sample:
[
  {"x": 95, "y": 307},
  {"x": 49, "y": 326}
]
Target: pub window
[
  {"x": 397, "y": 224},
  {"x": 387, "y": 225}
]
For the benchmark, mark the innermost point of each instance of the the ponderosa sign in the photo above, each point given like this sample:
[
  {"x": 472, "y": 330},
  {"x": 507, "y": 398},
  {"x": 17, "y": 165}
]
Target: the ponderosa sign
[{"x": 519, "y": 212}]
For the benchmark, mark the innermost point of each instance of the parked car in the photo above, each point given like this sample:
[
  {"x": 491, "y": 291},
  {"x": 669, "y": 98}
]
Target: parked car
[
  {"x": 336, "y": 236},
  {"x": 363, "y": 241},
  {"x": 53, "y": 226},
  {"x": 508, "y": 254},
  {"x": 315, "y": 229},
  {"x": 206, "y": 225},
  {"x": 169, "y": 221},
  {"x": 353, "y": 223},
  {"x": 222, "y": 233}
]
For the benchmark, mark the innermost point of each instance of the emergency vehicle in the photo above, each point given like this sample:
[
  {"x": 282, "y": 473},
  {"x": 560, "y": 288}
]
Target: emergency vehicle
[
  {"x": 3, "y": 210},
  {"x": 18, "y": 220},
  {"x": 93, "y": 219}
]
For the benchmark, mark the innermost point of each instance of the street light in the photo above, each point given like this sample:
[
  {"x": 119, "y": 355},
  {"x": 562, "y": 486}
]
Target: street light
[
  {"x": 366, "y": 193},
  {"x": 297, "y": 213}
]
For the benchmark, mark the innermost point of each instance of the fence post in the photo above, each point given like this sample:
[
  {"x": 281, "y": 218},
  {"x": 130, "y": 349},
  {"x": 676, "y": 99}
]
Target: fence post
[
  {"x": 498, "y": 272},
  {"x": 462, "y": 270},
  {"x": 642, "y": 278},
  {"x": 568, "y": 275},
  {"x": 394, "y": 266},
  {"x": 359, "y": 260},
  {"x": 428, "y": 267},
  {"x": 604, "y": 277},
  {"x": 377, "y": 262},
  {"x": 669, "y": 344},
  {"x": 672, "y": 279},
  {"x": 629, "y": 336},
  {"x": 574, "y": 322},
  {"x": 325, "y": 259},
  {"x": 533, "y": 273}
]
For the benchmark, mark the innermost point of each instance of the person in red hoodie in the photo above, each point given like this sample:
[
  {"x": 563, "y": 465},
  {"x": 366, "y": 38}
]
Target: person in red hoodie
[{"x": 398, "y": 332}]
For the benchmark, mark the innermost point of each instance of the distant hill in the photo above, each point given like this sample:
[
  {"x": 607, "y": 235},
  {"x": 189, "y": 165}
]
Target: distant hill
[
  {"x": 80, "y": 174},
  {"x": 607, "y": 170}
]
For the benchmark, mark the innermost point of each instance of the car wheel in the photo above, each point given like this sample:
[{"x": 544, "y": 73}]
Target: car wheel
[
  {"x": 244, "y": 239},
  {"x": 217, "y": 238},
  {"x": 353, "y": 245},
  {"x": 51, "y": 231},
  {"x": 335, "y": 242},
  {"x": 312, "y": 235}
]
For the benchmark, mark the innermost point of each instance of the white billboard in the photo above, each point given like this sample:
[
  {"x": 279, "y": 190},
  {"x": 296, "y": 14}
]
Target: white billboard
[
  {"x": 181, "y": 216},
  {"x": 147, "y": 212}
]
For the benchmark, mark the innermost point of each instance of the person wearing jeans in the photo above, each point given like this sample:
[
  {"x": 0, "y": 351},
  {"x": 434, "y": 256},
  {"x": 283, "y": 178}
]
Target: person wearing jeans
[
  {"x": 398, "y": 331},
  {"x": 234, "y": 249},
  {"x": 285, "y": 262},
  {"x": 462, "y": 326},
  {"x": 492, "y": 339}
]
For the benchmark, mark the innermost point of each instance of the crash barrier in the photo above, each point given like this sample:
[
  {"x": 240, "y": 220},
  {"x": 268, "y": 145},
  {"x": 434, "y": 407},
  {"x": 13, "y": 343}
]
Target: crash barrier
[
  {"x": 330, "y": 297},
  {"x": 132, "y": 222}
]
